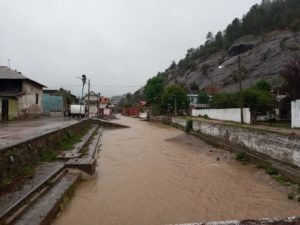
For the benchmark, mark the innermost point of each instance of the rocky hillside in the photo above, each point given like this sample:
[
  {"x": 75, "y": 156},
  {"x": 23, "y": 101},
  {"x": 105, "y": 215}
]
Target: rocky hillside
[{"x": 262, "y": 57}]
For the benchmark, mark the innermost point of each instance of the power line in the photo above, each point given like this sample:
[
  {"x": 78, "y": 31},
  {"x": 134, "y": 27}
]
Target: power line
[{"x": 103, "y": 86}]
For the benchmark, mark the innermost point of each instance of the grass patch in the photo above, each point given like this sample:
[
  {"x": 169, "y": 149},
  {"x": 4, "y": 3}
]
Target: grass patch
[
  {"x": 282, "y": 180},
  {"x": 27, "y": 171},
  {"x": 271, "y": 171},
  {"x": 242, "y": 157},
  {"x": 260, "y": 166},
  {"x": 7, "y": 180},
  {"x": 48, "y": 155},
  {"x": 67, "y": 143},
  {"x": 73, "y": 138},
  {"x": 276, "y": 124},
  {"x": 166, "y": 122},
  {"x": 189, "y": 125}
]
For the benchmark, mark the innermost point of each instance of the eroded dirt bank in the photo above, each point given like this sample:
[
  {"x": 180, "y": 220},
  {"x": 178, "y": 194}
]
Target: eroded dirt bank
[{"x": 155, "y": 174}]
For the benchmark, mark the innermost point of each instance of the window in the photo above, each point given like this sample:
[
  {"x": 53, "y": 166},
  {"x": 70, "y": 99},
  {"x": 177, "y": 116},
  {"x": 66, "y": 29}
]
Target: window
[{"x": 36, "y": 98}]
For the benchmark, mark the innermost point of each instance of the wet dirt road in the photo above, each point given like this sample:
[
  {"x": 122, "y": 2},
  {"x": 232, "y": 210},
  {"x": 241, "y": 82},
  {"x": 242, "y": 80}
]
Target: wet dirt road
[{"x": 155, "y": 174}]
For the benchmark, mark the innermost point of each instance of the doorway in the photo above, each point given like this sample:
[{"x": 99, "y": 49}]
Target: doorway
[{"x": 4, "y": 114}]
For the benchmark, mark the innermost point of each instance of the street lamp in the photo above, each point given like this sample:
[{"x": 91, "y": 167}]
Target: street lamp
[
  {"x": 83, "y": 79},
  {"x": 239, "y": 73}
]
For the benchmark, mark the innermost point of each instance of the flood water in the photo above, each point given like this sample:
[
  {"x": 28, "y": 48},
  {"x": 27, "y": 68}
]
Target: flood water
[{"x": 155, "y": 174}]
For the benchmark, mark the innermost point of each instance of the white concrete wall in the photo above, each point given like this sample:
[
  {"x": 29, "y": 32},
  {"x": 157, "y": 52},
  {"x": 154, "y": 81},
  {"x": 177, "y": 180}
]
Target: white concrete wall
[
  {"x": 93, "y": 110},
  {"x": 281, "y": 147},
  {"x": 224, "y": 114},
  {"x": 143, "y": 115},
  {"x": 27, "y": 104},
  {"x": 295, "y": 114}
]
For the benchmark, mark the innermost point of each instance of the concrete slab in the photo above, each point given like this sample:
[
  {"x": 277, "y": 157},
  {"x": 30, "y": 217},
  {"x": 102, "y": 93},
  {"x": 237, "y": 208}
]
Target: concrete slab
[
  {"x": 10, "y": 201},
  {"x": 87, "y": 165},
  {"x": 94, "y": 146},
  {"x": 15, "y": 132},
  {"x": 44, "y": 210}
]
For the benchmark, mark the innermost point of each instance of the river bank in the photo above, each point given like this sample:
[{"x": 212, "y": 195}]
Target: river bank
[{"x": 155, "y": 174}]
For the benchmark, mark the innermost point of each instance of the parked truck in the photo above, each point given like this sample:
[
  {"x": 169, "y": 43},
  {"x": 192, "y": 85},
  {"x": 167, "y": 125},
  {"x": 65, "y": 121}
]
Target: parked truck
[{"x": 77, "y": 111}]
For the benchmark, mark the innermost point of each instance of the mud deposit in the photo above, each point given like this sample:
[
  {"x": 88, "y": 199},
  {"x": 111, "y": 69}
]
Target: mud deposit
[{"x": 155, "y": 174}]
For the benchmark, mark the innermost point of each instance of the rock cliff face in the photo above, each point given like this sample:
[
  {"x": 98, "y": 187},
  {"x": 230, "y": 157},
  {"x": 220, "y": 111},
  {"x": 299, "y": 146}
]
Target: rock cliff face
[{"x": 261, "y": 58}]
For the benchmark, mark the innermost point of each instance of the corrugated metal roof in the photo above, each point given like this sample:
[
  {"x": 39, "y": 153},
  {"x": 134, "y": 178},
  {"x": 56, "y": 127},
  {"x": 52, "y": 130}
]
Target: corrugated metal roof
[{"x": 7, "y": 73}]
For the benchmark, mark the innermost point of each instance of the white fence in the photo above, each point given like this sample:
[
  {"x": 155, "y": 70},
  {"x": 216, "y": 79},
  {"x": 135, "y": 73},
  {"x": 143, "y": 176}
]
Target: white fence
[
  {"x": 295, "y": 120},
  {"x": 224, "y": 114}
]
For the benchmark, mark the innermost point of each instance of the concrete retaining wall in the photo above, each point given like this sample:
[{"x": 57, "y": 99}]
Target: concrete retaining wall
[
  {"x": 224, "y": 114},
  {"x": 14, "y": 158},
  {"x": 295, "y": 120},
  {"x": 284, "y": 148}
]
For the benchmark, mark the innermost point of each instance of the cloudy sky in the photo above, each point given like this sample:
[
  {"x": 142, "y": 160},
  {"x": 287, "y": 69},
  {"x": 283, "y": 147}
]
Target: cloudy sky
[{"x": 118, "y": 44}]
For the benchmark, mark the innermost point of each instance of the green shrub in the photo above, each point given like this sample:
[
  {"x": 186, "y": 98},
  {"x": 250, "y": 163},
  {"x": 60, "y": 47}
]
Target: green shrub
[
  {"x": 260, "y": 166},
  {"x": 271, "y": 171},
  {"x": 189, "y": 125},
  {"x": 242, "y": 157},
  {"x": 48, "y": 155},
  {"x": 291, "y": 195},
  {"x": 282, "y": 180},
  {"x": 205, "y": 116}
]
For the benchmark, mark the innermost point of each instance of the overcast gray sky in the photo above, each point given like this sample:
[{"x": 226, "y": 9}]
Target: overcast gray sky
[{"x": 118, "y": 44}]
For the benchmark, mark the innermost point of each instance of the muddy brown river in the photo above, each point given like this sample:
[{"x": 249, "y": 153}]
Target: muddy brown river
[{"x": 155, "y": 174}]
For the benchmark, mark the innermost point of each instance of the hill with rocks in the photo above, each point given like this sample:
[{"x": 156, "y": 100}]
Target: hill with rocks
[{"x": 262, "y": 57}]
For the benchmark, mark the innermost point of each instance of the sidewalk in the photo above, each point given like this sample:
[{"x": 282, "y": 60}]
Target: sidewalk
[{"x": 15, "y": 132}]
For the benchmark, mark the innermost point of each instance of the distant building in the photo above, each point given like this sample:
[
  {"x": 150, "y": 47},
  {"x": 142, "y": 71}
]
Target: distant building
[
  {"x": 104, "y": 107},
  {"x": 193, "y": 98},
  {"x": 115, "y": 100},
  {"x": 20, "y": 97},
  {"x": 53, "y": 103},
  {"x": 92, "y": 101}
]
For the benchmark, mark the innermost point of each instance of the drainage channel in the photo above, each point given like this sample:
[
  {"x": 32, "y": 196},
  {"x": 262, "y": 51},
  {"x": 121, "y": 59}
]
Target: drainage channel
[{"x": 41, "y": 198}]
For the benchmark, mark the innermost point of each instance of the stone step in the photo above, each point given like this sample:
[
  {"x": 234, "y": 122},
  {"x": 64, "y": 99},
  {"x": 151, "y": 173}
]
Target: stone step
[
  {"x": 76, "y": 151},
  {"x": 87, "y": 162},
  {"x": 87, "y": 165},
  {"x": 13, "y": 201},
  {"x": 45, "y": 208},
  {"x": 94, "y": 145}
]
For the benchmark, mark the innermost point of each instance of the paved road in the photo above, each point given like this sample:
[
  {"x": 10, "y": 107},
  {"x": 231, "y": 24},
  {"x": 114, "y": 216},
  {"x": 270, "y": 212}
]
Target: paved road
[{"x": 12, "y": 133}]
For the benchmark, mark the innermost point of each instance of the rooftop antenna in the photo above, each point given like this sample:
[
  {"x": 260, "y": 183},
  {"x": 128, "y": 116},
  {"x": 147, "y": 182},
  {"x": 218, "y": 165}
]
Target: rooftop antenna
[{"x": 8, "y": 63}]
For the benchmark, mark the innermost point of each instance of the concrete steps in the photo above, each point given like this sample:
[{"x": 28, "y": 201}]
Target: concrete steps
[
  {"x": 13, "y": 201},
  {"x": 44, "y": 209},
  {"x": 87, "y": 161},
  {"x": 41, "y": 197},
  {"x": 76, "y": 151}
]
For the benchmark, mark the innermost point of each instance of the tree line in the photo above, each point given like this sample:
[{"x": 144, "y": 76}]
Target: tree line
[{"x": 268, "y": 16}]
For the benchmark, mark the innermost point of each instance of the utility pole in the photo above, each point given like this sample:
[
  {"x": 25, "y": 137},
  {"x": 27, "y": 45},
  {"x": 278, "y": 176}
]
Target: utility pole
[
  {"x": 89, "y": 90},
  {"x": 83, "y": 79},
  {"x": 240, "y": 90},
  {"x": 98, "y": 105},
  {"x": 175, "y": 106}
]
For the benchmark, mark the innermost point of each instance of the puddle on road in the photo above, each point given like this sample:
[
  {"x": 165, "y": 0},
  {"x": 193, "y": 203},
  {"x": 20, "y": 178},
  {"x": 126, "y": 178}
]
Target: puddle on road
[{"x": 154, "y": 174}]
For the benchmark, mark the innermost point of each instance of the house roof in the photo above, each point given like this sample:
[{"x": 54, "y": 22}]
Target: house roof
[
  {"x": 9, "y": 94},
  {"x": 9, "y": 74},
  {"x": 91, "y": 94}
]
